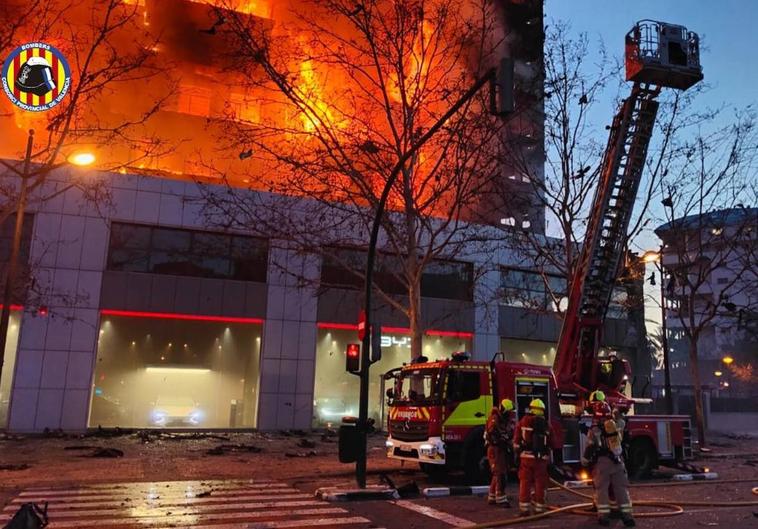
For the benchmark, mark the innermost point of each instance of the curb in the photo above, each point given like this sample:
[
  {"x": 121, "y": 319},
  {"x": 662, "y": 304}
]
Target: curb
[
  {"x": 367, "y": 494},
  {"x": 438, "y": 492},
  {"x": 695, "y": 477}
]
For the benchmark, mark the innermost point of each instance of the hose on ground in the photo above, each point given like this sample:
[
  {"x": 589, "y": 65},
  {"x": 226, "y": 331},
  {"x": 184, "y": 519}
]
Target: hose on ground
[{"x": 583, "y": 508}]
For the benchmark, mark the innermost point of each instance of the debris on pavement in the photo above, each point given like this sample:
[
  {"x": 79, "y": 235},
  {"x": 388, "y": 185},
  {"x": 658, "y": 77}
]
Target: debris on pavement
[
  {"x": 29, "y": 516},
  {"x": 300, "y": 454},
  {"x": 306, "y": 443},
  {"x": 105, "y": 452},
  {"x": 16, "y": 467},
  {"x": 204, "y": 494},
  {"x": 227, "y": 448}
]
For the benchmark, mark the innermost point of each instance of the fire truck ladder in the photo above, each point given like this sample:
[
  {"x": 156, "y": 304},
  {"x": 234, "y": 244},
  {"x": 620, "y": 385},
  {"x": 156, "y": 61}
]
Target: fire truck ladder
[{"x": 621, "y": 171}]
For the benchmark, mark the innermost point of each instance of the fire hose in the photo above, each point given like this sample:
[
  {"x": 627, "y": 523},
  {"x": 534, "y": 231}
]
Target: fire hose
[{"x": 583, "y": 508}]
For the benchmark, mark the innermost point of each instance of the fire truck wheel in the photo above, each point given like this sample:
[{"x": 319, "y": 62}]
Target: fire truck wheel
[
  {"x": 642, "y": 458},
  {"x": 475, "y": 467}
]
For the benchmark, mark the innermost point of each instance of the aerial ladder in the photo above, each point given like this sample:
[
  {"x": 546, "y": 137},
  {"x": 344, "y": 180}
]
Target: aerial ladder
[{"x": 657, "y": 55}]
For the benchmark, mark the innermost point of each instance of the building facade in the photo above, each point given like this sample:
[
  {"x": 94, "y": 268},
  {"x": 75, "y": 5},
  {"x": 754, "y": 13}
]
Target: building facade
[{"x": 143, "y": 316}]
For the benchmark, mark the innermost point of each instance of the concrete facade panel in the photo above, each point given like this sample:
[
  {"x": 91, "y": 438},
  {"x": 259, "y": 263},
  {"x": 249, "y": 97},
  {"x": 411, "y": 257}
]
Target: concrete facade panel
[
  {"x": 49, "y": 409},
  {"x": 23, "y": 409}
]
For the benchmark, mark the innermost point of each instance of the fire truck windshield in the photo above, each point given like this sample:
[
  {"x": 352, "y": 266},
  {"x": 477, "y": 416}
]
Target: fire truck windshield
[{"x": 418, "y": 387}]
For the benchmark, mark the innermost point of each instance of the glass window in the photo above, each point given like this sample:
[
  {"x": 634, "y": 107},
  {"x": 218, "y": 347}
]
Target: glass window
[
  {"x": 463, "y": 385},
  {"x": 156, "y": 373},
  {"x": 448, "y": 280},
  {"x": 344, "y": 268},
  {"x": 523, "y": 288},
  {"x": 336, "y": 391},
  {"x": 135, "y": 248},
  {"x": 528, "y": 351}
]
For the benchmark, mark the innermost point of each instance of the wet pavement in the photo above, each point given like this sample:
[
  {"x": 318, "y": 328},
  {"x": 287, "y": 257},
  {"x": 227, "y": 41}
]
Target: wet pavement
[{"x": 268, "y": 481}]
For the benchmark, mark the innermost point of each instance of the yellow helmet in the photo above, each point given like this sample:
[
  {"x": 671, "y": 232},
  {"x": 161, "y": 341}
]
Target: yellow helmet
[
  {"x": 537, "y": 407},
  {"x": 598, "y": 396},
  {"x": 506, "y": 405}
]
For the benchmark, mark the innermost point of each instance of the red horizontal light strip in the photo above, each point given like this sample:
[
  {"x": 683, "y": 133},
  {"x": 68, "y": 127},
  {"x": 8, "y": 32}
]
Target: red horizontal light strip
[
  {"x": 174, "y": 316},
  {"x": 14, "y": 307},
  {"x": 395, "y": 330}
]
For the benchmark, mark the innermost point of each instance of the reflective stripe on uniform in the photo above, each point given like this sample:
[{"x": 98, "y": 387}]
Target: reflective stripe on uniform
[
  {"x": 539, "y": 507},
  {"x": 626, "y": 507},
  {"x": 604, "y": 509},
  {"x": 502, "y": 499},
  {"x": 524, "y": 506}
]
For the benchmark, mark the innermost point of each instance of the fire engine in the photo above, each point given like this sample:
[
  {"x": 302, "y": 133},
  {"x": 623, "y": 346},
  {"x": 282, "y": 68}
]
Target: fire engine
[{"x": 437, "y": 410}]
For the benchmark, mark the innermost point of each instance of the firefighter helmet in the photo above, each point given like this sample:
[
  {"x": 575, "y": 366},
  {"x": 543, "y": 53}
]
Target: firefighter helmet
[
  {"x": 506, "y": 405},
  {"x": 600, "y": 410},
  {"x": 35, "y": 77},
  {"x": 537, "y": 407},
  {"x": 598, "y": 396}
]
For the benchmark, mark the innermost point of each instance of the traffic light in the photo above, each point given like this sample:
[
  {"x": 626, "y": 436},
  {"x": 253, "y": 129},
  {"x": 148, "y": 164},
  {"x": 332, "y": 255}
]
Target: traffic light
[{"x": 353, "y": 358}]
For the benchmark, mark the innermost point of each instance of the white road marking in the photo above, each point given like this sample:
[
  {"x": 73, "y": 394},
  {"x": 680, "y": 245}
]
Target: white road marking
[
  {"x": 128, "y": 501},
  {"x": 233, "y": 504},
  {"x": 434, "y": 513}
]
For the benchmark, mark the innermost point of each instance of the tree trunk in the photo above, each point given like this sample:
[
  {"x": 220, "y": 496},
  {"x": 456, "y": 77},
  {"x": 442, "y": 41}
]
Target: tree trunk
[
  {"x": 699, "y": 415},
  {"x": 414, "y": 318}
]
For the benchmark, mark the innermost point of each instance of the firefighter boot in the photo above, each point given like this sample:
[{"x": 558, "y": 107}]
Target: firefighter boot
[
  {"x": 604, "y": 520},
  {"x": 491, "y": 499},
  {"x": 628, "y": 520}
]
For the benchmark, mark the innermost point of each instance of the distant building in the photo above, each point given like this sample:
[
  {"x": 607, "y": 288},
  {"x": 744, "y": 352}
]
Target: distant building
[{"x": 721, "y": 246}]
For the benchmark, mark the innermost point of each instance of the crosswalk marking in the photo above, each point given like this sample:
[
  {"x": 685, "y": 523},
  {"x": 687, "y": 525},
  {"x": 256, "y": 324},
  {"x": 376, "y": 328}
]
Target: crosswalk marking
[
  {"x": 444, "y": 517},
  {"x": 213, "y": 504}
]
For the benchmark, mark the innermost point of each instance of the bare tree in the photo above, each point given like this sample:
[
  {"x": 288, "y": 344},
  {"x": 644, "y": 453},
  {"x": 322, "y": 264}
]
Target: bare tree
[
  {"x": 710, "y": 237},
  {"x": 349, "y": 87}
]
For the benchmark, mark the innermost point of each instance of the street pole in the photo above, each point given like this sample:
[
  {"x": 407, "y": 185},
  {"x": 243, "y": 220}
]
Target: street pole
[
  {"x": 665, "y": 343},
  {"x": 360, "y": 465},
  {"x": 15, "y": 250}
]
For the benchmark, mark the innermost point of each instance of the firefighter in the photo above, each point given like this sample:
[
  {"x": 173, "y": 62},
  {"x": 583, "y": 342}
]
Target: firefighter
[
  {"x": 532, "y": 442},
  {"x": 498, "y": 437},
  {"x": 605, "y": 455}
]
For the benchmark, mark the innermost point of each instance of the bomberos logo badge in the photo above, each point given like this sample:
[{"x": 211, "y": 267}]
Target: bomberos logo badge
[{"x": 36, "y": 77}]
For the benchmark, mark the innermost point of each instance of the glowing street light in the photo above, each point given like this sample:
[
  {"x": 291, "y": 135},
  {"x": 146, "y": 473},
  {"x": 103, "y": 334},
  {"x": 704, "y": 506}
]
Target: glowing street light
[
  {"x": 651, "y": 256},
  {"x": 718, "y": 373},
  {"x": 82, "y": 159},
  {"x": 727, "y": 360}
]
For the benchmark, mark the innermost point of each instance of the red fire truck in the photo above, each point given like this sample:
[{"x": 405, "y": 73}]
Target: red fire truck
[{"x": 437, "y": 410}]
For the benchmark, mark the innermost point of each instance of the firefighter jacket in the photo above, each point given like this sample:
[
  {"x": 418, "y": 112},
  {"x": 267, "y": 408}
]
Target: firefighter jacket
[
  {"x": 499, "y": 429},
  {"x": 528, "y": 443}
]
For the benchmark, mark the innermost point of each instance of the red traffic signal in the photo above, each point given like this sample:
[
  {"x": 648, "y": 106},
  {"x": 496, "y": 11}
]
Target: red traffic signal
[{"x": 353, "y": 358}]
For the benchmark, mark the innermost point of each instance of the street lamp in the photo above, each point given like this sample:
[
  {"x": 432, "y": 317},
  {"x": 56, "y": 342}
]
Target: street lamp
[
  {"x": 656, "y": 257},
  {"x": 80, "y": 159},
  {"x": 727, "y": 360}
]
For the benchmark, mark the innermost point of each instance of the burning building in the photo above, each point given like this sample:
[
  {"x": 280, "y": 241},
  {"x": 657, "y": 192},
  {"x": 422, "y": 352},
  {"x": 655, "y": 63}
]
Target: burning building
[{"x": 163, "y": 312}]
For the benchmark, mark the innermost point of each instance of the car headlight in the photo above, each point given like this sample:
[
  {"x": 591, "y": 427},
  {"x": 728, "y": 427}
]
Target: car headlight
[
  {"x": 196, "y": 417},
  {"x": 389, "y": 444},
  {"x": 159, "y": 417}
]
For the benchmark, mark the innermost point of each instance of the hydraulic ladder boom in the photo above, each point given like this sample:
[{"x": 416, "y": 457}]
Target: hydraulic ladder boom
[
  {"x": 657, "y": 54},
  {"x": 597, "y": 268}
]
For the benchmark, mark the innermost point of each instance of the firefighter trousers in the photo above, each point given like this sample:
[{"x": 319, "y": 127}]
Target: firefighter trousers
[
  {"x": 498, "y": 460},
  {"x": 607, "y": 474},
  {"x": 532, "y": 474}
]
